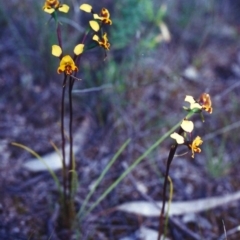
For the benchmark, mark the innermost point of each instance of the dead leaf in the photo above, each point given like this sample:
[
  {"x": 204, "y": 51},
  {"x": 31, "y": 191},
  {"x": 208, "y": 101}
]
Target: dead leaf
[{"x": 149, "y": 209}]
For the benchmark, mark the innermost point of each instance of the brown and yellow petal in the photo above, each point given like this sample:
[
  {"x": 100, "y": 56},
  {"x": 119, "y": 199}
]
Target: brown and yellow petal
[
  {"x": 51, "y": 4},
  {"x": 205, "y": 101},
  {"x": 105, "y": 16},
  {"x": 105, "y": 13},
  {"x": 102, "y": 42}
]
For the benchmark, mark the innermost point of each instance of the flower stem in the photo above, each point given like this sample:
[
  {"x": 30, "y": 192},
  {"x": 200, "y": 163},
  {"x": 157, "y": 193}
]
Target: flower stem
[
  {"x": 169, "y": 161},
  {"x": 59, "y": 35},
  {"x": 71, "y": 159},
  {"x": 64, "y": 171}
]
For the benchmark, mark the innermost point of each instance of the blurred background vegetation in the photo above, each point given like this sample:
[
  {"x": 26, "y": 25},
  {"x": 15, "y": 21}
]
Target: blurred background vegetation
[{"x": 160, "y": 52}]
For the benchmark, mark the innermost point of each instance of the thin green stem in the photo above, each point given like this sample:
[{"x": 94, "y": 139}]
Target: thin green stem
[
  {"x": 85, "y": 35},
  {"x": 59, "y": 35}
]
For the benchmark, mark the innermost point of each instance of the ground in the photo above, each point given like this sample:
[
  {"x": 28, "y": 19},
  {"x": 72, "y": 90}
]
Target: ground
[{"x": 141, "y": 99}]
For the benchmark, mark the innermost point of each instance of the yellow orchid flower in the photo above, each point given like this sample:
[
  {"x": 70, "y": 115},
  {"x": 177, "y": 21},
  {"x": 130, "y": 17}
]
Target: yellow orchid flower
[
  {"x": 102, "y": 42},
  {"x": 67, "y": 65},
  {"x": 52, "y": 5},
  {"x": 205, "y": 101},
  {"x": 104, "y": 16},
  {"x": 194, "y": 146}
]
